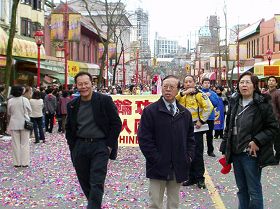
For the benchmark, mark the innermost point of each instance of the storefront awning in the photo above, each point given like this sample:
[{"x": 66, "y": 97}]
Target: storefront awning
[
  {"x": 46, "y": 66},
  {"x": 211, "y": 76},
  {"x": 61, "y": 78},
  {"x": 241, "y": 70},
  {"x": 74, "y": 67},
  {"x": 264, "y": 69},
  {"x": 22, "y": 46}
]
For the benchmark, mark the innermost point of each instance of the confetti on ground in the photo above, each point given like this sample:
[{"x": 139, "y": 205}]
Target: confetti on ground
[{"x": 51, "y": 182}]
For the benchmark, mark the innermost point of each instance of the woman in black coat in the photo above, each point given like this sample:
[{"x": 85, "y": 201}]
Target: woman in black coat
[{"x": 247, "y": 142}]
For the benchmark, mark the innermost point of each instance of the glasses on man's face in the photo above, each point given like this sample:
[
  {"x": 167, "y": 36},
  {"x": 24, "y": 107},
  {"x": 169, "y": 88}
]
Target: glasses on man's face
[
  {"x": 245, "y": 82},
  {"x": 169, "y": 87}
]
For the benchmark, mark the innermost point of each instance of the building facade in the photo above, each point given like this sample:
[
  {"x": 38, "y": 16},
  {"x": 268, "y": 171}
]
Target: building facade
[{"x": 165, "y": 48}]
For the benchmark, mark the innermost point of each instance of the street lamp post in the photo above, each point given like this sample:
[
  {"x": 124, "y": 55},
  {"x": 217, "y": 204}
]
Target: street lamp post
[
  {"x": 269, "y": 55},
  {"x": 137, "y": 71},
  {"x": 123, "y": 68},
  {"x": 39, "y": 35}
]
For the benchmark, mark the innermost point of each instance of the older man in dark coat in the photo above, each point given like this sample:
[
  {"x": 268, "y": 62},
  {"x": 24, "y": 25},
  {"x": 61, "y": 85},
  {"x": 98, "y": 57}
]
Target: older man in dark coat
[{"x": 166, "y": 139}]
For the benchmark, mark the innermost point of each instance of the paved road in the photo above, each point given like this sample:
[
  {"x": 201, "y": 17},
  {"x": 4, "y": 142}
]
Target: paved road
[{"x": 50, "y": 182}]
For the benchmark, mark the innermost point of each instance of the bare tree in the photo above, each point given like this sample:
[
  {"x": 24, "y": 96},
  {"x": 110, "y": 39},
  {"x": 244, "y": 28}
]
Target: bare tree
[
  {"x": 9, "y": 52},
  {"x": 229, "y": 82},
  {"x": 112, "y": 16}
]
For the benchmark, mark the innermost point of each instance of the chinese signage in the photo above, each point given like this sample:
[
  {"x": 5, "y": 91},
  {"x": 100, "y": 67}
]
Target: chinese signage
[
  {"x": 130, "y": 108},
  {"x": 271, "y": 70},
  {"x": 74, "y": 33},
  {"x": 57, "y": 27},
  {"x": 73, "y": 68}
]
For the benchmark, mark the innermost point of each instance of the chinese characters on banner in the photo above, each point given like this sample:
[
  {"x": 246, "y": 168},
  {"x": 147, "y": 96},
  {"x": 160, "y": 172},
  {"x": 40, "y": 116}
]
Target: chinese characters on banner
[{"x": 130, "y": 108}]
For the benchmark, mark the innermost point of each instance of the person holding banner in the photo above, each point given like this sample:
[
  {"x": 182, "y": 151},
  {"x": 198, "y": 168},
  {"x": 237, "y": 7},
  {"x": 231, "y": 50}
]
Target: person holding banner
[
  {"x": 200, "y": 107},
  {"x": 92, "y": 130},
  {"x": 166, "y": 139}
]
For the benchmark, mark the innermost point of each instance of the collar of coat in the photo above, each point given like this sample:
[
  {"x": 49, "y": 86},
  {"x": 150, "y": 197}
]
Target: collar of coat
[
  {"x": 76, "y": 102},
  {"x": 163, "y": 108},
  {"x": 257, "y": 97}
]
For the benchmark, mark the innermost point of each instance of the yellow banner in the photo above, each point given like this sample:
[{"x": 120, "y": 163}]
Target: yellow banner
[
  {"x": 74, "y": 33},
  {"x": 73, "y": 68},
  {"x": 57, "y": 27},
  {"x": 277, "y": 28},
  {"x": 111, "y": 50},
  {"x": 2, "y": 61},
  {"x": 130, "y": 108}
]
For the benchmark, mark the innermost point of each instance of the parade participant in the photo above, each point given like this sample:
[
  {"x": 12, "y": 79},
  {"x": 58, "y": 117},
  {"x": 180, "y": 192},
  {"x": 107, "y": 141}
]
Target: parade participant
[
  {"x": 275, "y": 97},
  {"x": 247, "y": 142},
  {"x": 214, "y": 100},
  {"x": 18, "y": 111},
  {"x": 166, "y": 140},
  {"x": 3, "y": 111},
  {"x": 50, "y": 104},
  {"x": 63, "y": 101},
  {"x": 200, "y": 107},
  {"x": 37, "y": 105},
  {"x": 92, "y": 129},
  {"x": 220, "y": 112}
]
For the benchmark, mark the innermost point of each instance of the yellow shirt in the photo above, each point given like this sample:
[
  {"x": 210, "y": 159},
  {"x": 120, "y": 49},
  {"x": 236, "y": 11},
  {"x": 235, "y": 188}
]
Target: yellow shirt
[{"x": 195, "y": 103}]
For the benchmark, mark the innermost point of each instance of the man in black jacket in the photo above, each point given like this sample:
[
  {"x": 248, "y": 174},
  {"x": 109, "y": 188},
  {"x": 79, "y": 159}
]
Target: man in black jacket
[
  {"x": 166, "y": 139},
  {"x": 275, "y": 99},
  {"x": 92, "y": 129}
]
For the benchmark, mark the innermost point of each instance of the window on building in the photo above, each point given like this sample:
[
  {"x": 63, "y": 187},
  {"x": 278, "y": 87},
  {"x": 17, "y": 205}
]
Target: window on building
[
  {"x": 26, "y": 27},
  {"x": 89, "y": 53},
  {"x": 71, "y": 50},
  {"x": 84, "y": 52},
  {"x": 258, "y": 47},
  {"x": 78, "y": 51},
  {"x": 273, "y": 43},
  {"x": 26, "y": 2},
  {"x": 252, "y": 48},
  {"x": 35, "y": 26},
  {"x": 1, "y": 10},
  {"x": 37, "y": 4},
  {"x": 267, "y": 42},
  {"x": 247, "y": 49},
  {"x": 262, "y": 45}
]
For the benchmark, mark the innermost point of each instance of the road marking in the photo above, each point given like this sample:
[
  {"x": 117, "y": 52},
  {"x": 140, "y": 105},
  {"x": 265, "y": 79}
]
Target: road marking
[{"x": 214, "y": 194}]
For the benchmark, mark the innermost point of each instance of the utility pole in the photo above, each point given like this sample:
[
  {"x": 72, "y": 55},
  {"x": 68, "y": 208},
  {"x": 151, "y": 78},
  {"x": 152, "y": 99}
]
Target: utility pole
[
  {"x": 226, "y": 49},
  {"x": 66, "y": 28},
  {"x": 238, "y": 57}
]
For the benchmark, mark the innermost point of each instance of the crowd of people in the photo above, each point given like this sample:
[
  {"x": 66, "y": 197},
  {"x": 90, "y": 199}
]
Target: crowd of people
[{"x": 171, "y": 131}]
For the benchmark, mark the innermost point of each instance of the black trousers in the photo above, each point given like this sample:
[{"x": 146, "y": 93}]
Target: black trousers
[
  {"x": 219, "y": 133},
  {"x": 49, "y": 122},
  {"x": 197, "y": 166},
  {"x": 3, "y": 122},
  {"x": 277, "y": 145},
  {"x": 209, "y": 137},
  {"x": 90, "y": 160}
]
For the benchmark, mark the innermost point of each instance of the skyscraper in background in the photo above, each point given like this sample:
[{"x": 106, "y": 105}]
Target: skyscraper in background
[{"x": 140, "y": 32}]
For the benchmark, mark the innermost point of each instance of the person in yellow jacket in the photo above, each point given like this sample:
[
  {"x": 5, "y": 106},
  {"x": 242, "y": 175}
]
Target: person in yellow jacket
[{"x": 200, "y": 107}]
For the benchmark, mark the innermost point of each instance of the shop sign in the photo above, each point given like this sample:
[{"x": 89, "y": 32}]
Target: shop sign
[
  {"x": 73, "y": 68},
  {"x": 2, "y": 61},
  {"x": 271, "y": 70}
]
